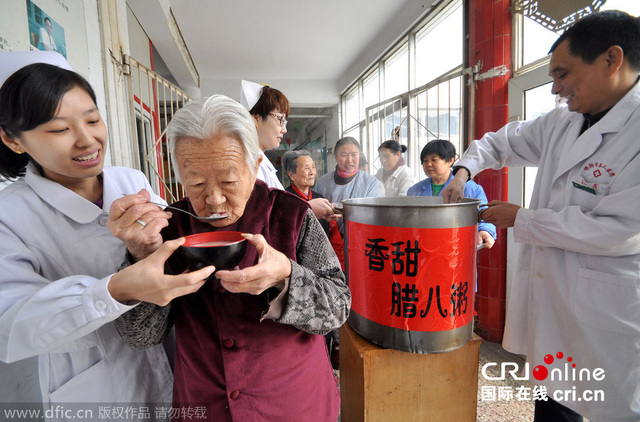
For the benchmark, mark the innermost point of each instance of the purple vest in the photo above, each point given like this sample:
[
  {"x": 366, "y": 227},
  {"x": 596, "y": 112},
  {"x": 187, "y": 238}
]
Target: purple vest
[{"x": 230, "y": 363}]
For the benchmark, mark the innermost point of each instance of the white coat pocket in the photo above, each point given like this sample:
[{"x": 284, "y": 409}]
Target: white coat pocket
[
  {"x": 91, "y": 385},
  {"x": 608, "y": 301},
  {"x": 587, "y": 195}
]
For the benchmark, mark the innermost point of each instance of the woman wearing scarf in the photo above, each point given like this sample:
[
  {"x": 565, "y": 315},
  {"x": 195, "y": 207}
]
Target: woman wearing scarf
[
  {"x": 301, "y": 169},
  {"x": 347, "y": 181},
  {"x": 394, "y": 174}
]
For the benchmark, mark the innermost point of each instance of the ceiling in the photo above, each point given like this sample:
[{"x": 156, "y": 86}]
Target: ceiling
[{"x": 308, "y": 46}]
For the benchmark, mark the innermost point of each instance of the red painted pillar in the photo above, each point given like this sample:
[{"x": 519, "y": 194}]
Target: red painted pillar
[{"x": 490, "y": 44}]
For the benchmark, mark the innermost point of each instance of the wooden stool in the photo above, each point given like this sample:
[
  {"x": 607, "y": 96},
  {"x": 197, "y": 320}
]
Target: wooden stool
[{"x": 386, "y": 385}]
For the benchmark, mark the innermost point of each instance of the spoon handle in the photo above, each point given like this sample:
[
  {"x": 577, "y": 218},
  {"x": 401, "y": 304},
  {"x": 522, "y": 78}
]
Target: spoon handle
[
  {"x": 213, "y": 217},
  {"x": 173, "y": 208}
]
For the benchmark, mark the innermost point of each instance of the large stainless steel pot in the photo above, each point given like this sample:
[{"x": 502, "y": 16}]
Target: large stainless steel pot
[{"x": 411, "y": 268}]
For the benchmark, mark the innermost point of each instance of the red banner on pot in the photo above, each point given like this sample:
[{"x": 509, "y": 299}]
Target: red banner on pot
[{"x": 412, "y": 279}]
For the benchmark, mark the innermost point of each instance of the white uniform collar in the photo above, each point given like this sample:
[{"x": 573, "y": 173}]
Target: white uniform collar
[
  {"x": 64, "y": 200},
  {"x": 268, "y": 163},
  {"x": 621, "y": 112}
]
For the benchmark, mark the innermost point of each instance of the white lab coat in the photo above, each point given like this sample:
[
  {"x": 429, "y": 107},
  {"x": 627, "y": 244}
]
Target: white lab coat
[
  {"x": 56, "y": 259},
  {"x": 577, "y": 285},
  {"x": 398, "y": 183},
  {"x": 268, "y": 173}
]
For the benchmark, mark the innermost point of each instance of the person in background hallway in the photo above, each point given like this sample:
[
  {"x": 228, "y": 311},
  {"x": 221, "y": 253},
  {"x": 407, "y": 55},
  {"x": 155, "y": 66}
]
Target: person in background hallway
[
  {"x": 364, "y": 163},
  {"x": 575, "y": 295},
  {"x": 301, "y": 169},
  {"x": 437, "y": 157},
  {"x": 394, "y": 174},
  {"x": 270, "y": 109},
  {"x": 347, "y": 181},
  {"x": 61, "y": 288}
]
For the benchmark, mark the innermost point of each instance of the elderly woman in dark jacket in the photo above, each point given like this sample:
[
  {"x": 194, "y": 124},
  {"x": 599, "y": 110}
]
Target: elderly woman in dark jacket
[{"x": 249, "y": 343}]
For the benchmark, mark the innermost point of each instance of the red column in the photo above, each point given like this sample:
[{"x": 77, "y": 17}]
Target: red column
[{"x": 490, "y": 43}]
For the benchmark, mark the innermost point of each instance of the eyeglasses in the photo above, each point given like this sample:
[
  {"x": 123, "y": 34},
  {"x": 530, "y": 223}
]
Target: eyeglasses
[{"x": 280, "y": 118}]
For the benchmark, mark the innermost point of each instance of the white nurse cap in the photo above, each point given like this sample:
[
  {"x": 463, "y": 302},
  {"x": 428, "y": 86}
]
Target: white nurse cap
[
  {"x": 12, "y": 61},
  {"x": 250, "y": 93}
]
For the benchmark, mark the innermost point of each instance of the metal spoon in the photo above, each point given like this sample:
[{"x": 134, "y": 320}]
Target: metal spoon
[{"x": 212, "y": 217}]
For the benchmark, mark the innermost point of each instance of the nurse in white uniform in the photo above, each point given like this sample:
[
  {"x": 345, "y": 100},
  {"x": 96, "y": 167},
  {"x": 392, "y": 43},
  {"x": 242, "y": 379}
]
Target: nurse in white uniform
[
  {"x": 270, "y": 109},
  {"x": 61, "y": 289}
]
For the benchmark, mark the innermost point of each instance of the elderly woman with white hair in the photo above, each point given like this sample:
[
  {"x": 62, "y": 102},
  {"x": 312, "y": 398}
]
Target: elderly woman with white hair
[
  {"x": 301, "y": 170},
  {"x": 249, "y": 343}
]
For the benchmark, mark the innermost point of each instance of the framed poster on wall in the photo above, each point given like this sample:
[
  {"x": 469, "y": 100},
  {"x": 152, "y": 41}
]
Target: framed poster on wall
[{"x": 44, "y": 32}]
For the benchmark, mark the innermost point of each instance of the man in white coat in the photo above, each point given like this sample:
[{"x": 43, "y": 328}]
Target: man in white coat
[{"x": 574, "y": 307}]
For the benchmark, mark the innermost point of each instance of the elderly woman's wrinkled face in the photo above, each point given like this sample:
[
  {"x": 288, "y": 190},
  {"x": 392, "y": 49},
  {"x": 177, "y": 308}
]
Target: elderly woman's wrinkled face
[
  {"x": 348, "y": 158},
  {"x": 215, "y": 176},
  {"x": 305, "y": 176}
]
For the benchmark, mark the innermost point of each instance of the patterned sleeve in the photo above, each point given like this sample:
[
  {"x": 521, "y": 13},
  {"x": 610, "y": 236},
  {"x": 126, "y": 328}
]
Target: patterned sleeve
[
  {"x": 318, "y": 298},
  {"x": 145, "y": 325}
]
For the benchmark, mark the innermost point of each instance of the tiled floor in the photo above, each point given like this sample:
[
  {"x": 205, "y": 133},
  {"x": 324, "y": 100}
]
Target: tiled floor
[{"x": 492, "y": 408}]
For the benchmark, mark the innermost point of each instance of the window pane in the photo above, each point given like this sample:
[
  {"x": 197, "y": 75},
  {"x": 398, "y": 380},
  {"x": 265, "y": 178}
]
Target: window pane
[
  {"x": 351, "y": 109},
  {"x": 537, "y": 41},
  {"x": 630, "y": 6},
  {"x": 439, "y": 47},
  {"x": 371, "y": 90},
  {"x": 439, "y": 113},
  {"x": 396, "y": 73},
  {"x": 537, "y": 101},
  {"x": 354, "y": 133}
]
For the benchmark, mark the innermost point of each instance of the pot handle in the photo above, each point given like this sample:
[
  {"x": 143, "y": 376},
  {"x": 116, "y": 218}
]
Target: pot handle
[{"x": 481, "y": 210}]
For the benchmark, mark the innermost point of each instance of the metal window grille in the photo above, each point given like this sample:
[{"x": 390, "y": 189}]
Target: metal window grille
[
  {"x": 432, "y": 111},
  {"x": 153, "y": 101}
]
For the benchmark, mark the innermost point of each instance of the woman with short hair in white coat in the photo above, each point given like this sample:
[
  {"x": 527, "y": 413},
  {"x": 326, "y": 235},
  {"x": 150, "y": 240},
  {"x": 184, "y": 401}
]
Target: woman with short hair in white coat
[{"x": 270, "y": 108}]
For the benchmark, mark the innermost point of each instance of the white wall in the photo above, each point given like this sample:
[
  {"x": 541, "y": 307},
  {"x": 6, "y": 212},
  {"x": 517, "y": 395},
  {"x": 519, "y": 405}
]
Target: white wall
[
  {"x": 69, "y": 14},
  {"x": 301, "y": 93},
  {"x": 138, "y": 40}
]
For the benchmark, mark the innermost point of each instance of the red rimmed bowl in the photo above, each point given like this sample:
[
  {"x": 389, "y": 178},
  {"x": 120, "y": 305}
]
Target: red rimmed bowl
[{"x": 222, "y": 249}]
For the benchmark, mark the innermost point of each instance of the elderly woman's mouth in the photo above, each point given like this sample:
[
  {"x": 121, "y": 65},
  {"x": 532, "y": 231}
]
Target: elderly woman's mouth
[{"x": 222, "y": 214}]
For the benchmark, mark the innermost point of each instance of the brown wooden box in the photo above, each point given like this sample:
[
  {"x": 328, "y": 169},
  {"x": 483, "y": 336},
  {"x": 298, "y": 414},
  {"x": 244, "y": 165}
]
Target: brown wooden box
[{"x": 386, "y": 385}]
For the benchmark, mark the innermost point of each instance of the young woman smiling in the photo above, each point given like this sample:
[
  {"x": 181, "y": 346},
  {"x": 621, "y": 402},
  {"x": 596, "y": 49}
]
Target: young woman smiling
[{"x": 61, "y": 289}]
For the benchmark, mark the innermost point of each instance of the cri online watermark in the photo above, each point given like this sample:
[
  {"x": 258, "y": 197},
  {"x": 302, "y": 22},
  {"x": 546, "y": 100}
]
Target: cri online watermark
[{"x": 564, "y": 370}]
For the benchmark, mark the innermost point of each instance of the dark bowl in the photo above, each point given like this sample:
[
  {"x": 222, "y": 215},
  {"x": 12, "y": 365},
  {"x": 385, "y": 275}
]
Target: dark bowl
[{"x": 223, "y": 250}]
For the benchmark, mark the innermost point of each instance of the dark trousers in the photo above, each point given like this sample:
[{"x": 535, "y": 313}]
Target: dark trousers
[{"x": 552, "y": 411}]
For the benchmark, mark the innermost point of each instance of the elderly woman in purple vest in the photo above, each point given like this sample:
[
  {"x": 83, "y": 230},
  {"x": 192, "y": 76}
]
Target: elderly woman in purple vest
[{"x": 249, "y": 343}]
